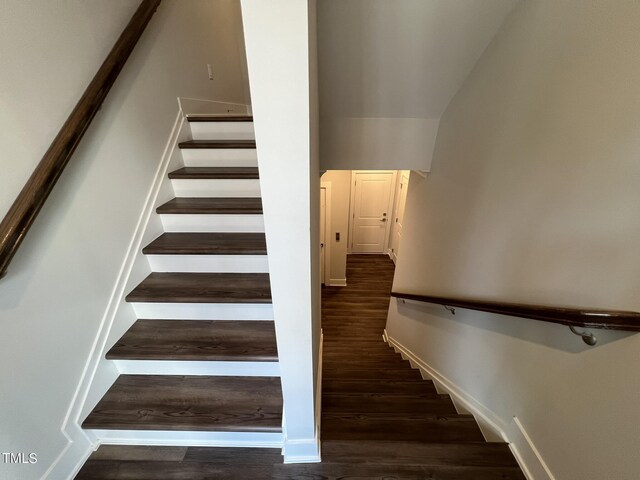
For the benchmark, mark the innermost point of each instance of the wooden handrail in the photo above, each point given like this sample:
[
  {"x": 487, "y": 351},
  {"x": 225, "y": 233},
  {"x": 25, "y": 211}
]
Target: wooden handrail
[
  {"x": 27, "y": 205},
  {"x": 570, "y": 316}
]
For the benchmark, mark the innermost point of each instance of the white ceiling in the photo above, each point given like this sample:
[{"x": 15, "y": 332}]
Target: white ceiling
[{"x": 400, "y": 58}]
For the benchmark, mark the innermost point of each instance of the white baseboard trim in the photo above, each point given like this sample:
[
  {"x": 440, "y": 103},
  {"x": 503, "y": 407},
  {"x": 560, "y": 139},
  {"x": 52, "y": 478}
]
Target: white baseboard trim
[
  {"x": 81, "y": 443},
  {"x": 71, "y": 458},
  {"x": 492, "y": 426},
  {"x": 528, "y": 456},
  {"x": 337, "y": 282},
  {"x": 308, "y": 450},
  {"x": 302, "y": 451}
]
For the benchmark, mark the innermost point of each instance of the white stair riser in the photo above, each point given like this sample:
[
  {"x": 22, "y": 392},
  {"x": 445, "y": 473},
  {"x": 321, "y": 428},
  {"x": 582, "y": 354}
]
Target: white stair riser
[
  {"x": 209, "y": 263},
  {"x": 203, "y": 311},
  {"x": 181, "y": 367},
  {"x": 220, "y": 157},
  {"x": 195, "y": 439},
  {"x": 215, "y": 188},
  {"x": 212, "y": 223},
  {"x": 222, "y": 130}
]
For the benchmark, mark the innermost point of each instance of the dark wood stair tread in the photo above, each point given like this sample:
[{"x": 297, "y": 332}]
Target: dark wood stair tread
[
  {"x": 221, "y": 173},
  {"x": 206, "y": 205},
  {"x": 410, "y": 427},
  {"x": 399, "y": 405},
  {"x": 234, "y": 144},
  {"x": 360, "y": 373},
  {"x": 344, "y": 471},
  {"x": 208, "y": 244},
  {"x": 388, "y": 387},
  {"x": 198, "y": 340},
  {"x": 203, "y": 288},
  {"x": 193, "y": 403},
  {"x": 234, "y": 455},
  {"x": 158, "y": 470},
  {"x": 220, "y": 118},
  {"x": 481, "y": 454}
]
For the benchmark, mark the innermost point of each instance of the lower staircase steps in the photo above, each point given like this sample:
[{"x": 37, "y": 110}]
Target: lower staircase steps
[
  {"x": 198, "y": 340},
  {"x": 176, "y": 287},
  {"x": 191, "y": 403},
  {"x": 380, "y": 418},
  {"x": 211, "y": 206},
  {"x": 215, "y": 243}
]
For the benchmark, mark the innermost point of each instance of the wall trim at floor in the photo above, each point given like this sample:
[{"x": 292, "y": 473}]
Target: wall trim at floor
[
  {"x": 337, "y": 282},
  {"x": 520, "y": 443},
  {"x": 308, "y": 450}
]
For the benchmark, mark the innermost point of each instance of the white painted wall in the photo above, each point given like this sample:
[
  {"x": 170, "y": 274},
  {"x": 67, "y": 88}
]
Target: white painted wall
[
  {"x": 340, "y": 197},
  {"x": 279, "y": 41},
  {"x": 378, "y": 143},
  {"x": 533, "y": 197},
  {"x": 59, "y": 284},
  {"x": 388, "y": 69}
]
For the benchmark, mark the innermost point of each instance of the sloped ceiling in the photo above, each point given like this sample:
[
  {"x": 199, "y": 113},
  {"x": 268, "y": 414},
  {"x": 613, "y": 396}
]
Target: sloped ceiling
[{"x": 400, "y": 58}]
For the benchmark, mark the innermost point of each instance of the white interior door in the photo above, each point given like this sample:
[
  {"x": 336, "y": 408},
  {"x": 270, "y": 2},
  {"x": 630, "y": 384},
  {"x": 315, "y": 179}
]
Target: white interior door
[
  {"x": 323, "y": 230},
  {"x": 371, "y": 209},
  {"x": 401, "y": 199}
]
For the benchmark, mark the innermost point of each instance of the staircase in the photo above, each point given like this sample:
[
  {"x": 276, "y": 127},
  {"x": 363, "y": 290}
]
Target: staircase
[
  {"x": 200, "y": 364},
  {"x": 380, "y": 418}
]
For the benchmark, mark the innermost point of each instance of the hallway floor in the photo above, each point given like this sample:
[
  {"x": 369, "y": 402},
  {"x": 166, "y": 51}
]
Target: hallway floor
[{"x": 380, "y": 419}]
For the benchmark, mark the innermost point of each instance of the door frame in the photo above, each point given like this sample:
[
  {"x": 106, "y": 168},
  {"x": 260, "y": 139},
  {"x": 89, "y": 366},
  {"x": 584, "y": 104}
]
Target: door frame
[
  {"x": 402, "y": 174},
  {"x": 352, "y": 208},
  {"x": 327, "y": 232}
]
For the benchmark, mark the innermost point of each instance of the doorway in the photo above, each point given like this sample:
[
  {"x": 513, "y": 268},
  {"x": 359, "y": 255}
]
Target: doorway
[{"x": 371, "y": 207}]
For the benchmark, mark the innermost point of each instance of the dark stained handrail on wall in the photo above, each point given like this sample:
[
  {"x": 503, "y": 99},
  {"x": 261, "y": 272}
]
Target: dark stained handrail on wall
[
  {"x": 570, "y": 316},
  {"x": 27, "y": 205}
]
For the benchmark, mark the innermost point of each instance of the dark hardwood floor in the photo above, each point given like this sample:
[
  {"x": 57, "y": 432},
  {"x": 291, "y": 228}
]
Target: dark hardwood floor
[{"x": 380, "y": 419}]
